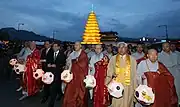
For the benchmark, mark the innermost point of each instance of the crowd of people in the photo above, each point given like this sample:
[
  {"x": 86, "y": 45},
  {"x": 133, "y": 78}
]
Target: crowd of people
[{"x": 119, "y": 63}]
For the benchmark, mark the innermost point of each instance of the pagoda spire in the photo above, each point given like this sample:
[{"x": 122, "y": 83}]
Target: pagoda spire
[
  {"x": 91, "y": 33},
  {"x": 92, "y": 8}
]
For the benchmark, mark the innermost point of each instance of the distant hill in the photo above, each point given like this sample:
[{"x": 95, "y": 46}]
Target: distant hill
[{"x": 13, "y": 34}]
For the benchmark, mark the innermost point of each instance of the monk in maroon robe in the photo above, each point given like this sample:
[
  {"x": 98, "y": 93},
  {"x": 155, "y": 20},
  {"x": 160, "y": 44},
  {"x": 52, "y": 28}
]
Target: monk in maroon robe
[
  {"x": 101, "y": 95},
  {"x": 159, "y": 79},
  {"x": 162, "y": 83},
  {"x": 75, "y": 94},
  {"x": 31, "y": 65}
]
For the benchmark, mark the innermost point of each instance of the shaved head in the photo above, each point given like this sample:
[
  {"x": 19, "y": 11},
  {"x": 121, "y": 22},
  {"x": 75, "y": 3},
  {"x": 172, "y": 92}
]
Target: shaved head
[
  {"x": 77, "y": 46},
  {"x": 77, "y": 42},
  {"x": 98, "y": 46},
  {"x": 98, "y": 49},
  {"x": 150, "y": 51},
  {"x": 152, "y": 55},
  {"x": 32, "y": 45}
]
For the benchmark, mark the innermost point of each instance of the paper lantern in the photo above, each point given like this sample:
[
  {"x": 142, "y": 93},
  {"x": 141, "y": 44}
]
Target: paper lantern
[
  {"x": 90, "y": 81},
  {"x": 66, "y": 76},
  {"x": 19, "y": 68},
  {"x": 115, "y": 89},
  {"x": 144, "y": 95},
  {"x": 38, "y": 73},
  {"x": 48, "y": 78}
]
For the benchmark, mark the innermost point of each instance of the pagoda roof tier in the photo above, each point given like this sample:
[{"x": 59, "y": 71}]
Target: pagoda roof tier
[
  {"x": 92, "y": 43},
  {"x": 92, "y": 16},
  {"x": 92, "y": 28},
  {"x": 91, "y": 31},
  {"x": 92, "y": 25},
  {"x": 88, "y": 38},
  {"x": 92, "y": 22},
  {"x": 92, "y": 34}
]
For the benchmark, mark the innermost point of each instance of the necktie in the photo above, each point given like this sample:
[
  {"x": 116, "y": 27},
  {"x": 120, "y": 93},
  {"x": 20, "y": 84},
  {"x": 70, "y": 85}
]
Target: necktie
[
  {"x": 55, "y": 55},
  {"x": 46, "y": 51}
]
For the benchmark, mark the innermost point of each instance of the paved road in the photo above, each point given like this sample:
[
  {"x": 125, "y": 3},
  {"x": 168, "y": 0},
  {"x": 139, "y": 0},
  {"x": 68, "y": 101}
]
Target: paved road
[{"x": 9, "y": 97}]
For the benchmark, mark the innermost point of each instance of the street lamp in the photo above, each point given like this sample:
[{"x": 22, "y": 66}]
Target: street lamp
[
  {"x": 19, "y": 24},
  {"x": 166, "y": 29},
  {"x": 54, "y": 33}
]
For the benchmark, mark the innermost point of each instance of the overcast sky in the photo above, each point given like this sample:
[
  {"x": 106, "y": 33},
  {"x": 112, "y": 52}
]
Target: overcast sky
[{"x": 130, "y": 18}]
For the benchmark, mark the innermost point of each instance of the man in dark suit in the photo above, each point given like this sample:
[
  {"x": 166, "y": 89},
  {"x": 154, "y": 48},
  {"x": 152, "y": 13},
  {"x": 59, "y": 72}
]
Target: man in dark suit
[
  {"x": 55, "y": 64},
  {"x": 47, "y": 51}
]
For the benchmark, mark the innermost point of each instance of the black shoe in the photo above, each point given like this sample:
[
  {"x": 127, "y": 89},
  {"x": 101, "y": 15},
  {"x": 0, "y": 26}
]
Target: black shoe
[
  {"x": 58, "y": 98},
  {"x": 50, "y": 105},
  {"x": 43, "y": 100}
]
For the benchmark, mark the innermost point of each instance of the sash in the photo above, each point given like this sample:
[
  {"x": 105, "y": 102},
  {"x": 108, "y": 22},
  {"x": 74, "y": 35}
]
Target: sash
[{"x": 123, "y": 74}]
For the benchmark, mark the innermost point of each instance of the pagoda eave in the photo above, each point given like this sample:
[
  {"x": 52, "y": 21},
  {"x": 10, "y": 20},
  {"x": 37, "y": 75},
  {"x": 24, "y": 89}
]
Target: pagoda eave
[{"x": 91, "y": 43}]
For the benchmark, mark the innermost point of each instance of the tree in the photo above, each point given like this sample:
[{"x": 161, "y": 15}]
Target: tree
[{"x": 4, "y": 36}]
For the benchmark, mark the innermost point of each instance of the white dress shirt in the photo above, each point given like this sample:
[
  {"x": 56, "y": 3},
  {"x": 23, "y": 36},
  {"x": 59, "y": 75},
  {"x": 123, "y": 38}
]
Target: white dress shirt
[{"x": 55, "y": 54}]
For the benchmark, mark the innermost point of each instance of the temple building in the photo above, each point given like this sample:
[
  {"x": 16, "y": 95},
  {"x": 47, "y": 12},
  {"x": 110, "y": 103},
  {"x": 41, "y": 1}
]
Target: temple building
[
  {"x": 91, "y": 34},
  {"x": 109, "y": 36}
]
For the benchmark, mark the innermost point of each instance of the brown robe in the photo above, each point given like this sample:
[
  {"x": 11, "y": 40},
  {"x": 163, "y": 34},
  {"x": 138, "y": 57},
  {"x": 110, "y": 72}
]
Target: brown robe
[
  {"x": 128, "y": 97},
  {"x": 75, "y": 94},
  {"x": 163, "y": 87}
]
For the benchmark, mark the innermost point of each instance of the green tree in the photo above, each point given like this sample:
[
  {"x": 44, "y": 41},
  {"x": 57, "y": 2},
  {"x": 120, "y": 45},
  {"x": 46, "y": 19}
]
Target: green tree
[{"x": 4, "y": 36}]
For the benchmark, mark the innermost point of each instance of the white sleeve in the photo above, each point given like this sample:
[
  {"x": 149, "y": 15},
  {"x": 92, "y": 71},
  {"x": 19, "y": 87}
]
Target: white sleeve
[
  {"x": 178, "y": 57},
  {"x": 20, "y": 54},
  {"x": 91, "y": 65},
  {"x": 68, "y": 63},
  {"x": 140, "y": 72},
  {"x": 160, "y": 58}
]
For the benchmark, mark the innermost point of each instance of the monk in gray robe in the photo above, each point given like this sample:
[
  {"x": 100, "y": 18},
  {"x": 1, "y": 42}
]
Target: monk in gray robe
[
  {"x": 172, "y": 63},
  {"x": 122, "y": 69}
]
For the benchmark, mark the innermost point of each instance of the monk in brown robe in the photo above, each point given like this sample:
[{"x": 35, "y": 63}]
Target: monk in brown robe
[
  {"x": 75, "y": 94},
  {"x": 123, "y": 68},
  {"x": 156, "y": 75}
]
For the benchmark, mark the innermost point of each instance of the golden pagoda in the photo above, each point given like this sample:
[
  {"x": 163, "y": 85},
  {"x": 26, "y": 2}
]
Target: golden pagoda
[{"x": 91, "y": 34}]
